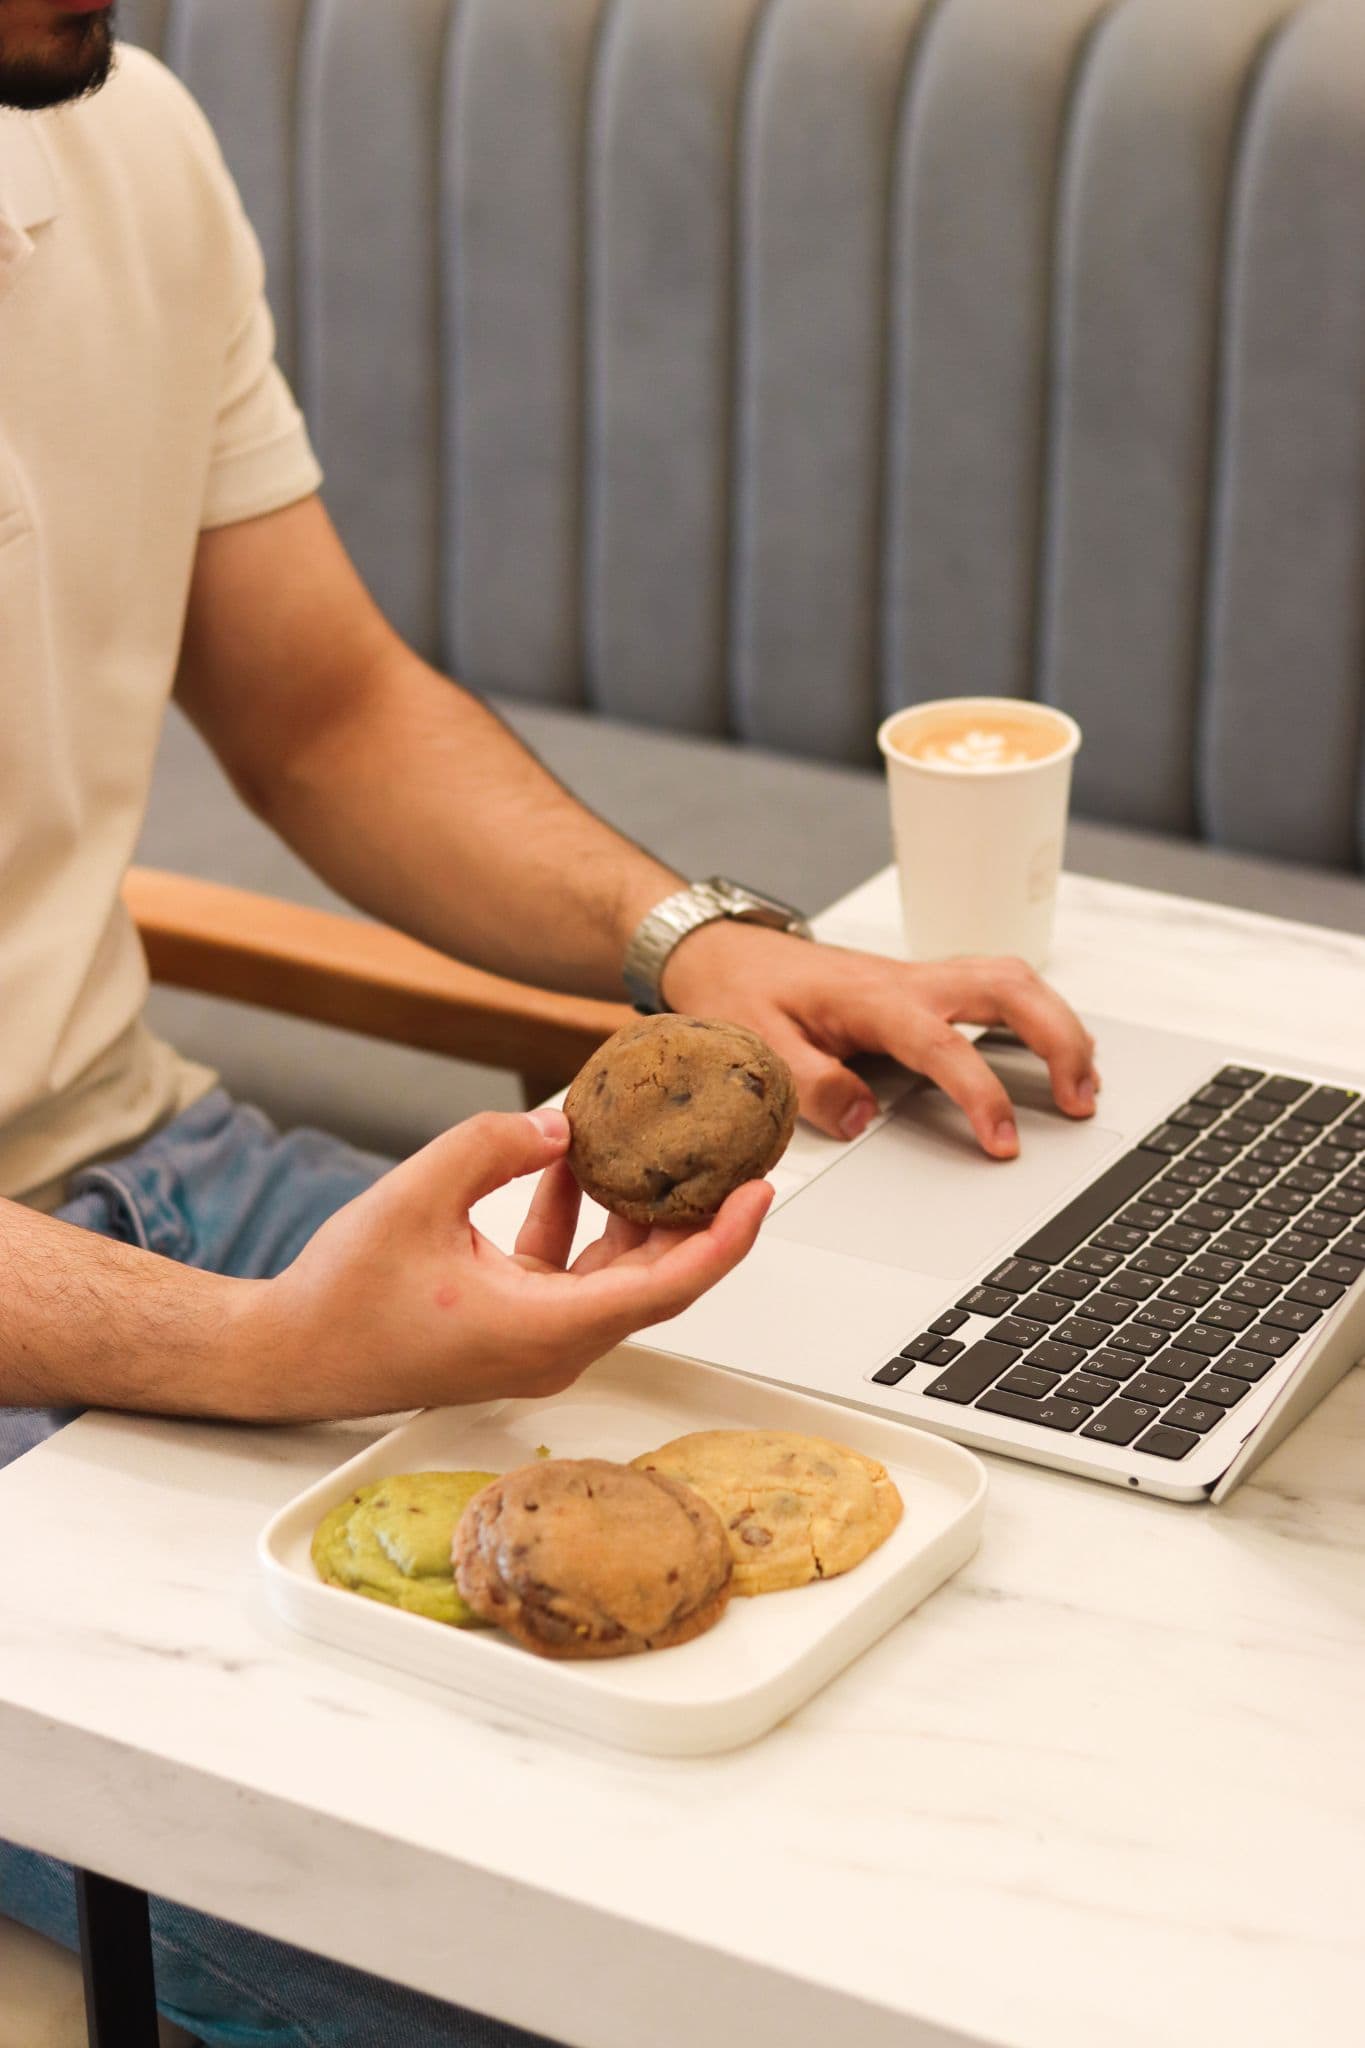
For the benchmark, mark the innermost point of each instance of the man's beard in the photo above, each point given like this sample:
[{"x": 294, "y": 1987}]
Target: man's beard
[{"x": 81, "y": 56}]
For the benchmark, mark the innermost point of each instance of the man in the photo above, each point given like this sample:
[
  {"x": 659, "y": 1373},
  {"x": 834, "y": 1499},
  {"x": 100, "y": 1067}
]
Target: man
[{"x": 160, "y": 526}]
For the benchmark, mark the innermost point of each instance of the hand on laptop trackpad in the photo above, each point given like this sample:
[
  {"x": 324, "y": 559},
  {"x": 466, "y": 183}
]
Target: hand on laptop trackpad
[{"x": 920, "y": 1195}]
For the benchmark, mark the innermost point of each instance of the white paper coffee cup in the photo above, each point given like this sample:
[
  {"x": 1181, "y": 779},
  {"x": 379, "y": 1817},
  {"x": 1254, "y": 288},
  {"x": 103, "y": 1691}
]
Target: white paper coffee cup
[{"x": 978, "y": 847}]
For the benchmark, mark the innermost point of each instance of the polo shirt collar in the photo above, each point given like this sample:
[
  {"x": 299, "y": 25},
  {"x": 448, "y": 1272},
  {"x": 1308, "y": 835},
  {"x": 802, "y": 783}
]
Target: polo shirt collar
[{"x": 28, "y": 181}]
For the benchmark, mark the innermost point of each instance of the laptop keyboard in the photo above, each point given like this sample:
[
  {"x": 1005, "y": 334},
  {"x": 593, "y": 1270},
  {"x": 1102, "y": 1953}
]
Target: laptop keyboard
[{"x": 1148, "y": 1307}]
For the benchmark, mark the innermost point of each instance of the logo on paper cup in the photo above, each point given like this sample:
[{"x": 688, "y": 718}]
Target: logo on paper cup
[{"x": 1043, "y": 869}]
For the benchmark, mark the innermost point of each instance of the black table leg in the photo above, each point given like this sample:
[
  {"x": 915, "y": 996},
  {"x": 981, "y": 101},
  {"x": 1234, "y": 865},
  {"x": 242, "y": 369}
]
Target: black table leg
[{"x": 116, "y": 1954}]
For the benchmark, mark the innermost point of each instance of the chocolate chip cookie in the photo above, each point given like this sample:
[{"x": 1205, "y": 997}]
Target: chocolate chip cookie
[
  {"x": 578, "y": 1557},
  {"x": 673, "y": 1113},
  {"x": 795, "y": 1508}
]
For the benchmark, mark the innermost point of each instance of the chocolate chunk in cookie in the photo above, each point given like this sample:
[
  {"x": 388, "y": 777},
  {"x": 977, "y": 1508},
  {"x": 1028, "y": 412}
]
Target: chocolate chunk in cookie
[
  {"x": 578, "y": 1557},
  {"x": 673, "y": 1113}
]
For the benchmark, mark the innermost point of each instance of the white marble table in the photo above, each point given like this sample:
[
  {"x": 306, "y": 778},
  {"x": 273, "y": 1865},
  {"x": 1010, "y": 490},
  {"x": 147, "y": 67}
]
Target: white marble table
[{"x": 1107, "y": 1787}]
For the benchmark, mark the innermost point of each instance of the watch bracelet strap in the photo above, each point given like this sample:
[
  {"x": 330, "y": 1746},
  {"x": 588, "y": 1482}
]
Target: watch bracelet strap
[{"x": 664, "y": 927}]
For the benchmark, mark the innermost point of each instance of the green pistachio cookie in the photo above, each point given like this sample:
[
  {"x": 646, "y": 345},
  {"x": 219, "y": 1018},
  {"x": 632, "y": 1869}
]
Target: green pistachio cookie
[{"x": 392, "y": 1542}]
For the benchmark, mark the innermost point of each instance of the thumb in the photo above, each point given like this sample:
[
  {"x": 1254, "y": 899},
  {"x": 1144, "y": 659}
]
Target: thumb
[
  {"x": 831, "y": 1096},
  {"x": 483, "y": 1153}
]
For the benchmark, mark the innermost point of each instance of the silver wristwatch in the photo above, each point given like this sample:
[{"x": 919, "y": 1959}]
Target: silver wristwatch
[{"x": 670, "y": 921}]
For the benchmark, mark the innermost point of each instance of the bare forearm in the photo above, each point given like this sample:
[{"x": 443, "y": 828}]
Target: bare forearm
[
  {"x": 88, "y": 1323},
  {"x": 421, "y": 808}
]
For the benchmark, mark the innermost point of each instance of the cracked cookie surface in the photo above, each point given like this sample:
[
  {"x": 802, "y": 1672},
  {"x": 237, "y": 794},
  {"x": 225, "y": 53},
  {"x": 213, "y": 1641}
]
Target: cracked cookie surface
[
  {"x": 673, "y": 1113},
  {"x": 795, "y": 1508},
  {"x": 580, "y": 1557}
]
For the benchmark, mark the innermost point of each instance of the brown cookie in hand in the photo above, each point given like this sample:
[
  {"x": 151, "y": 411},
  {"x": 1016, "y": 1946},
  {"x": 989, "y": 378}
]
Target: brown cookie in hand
[{"x": 673, "y": 1113}]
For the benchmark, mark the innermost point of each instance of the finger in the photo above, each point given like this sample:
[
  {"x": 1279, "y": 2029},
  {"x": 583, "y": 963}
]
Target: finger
[
  {"x": 627, "y": 1296},
  {"x": 618, "y": 1238},
  {"x": 483, "y": 1153},
  {"x": 831, "y": 1095},
  {"x": 923, "y": 1041},
  {"x": 1050, "y": 1027},
  {"x": 547, "y": 1234}
]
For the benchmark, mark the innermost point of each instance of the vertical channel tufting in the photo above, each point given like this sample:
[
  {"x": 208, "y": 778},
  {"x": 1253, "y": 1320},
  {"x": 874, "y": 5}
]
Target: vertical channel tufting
[
  {"x": 143, "y": 22},
  {"x": 512, "y": 235},
  {"x": 818, "y": 128},
  {"x": 971, "y": 241},
  {"x": 1140, "y": 241},
  {"x": 370, "y": 373},
  {"x": 240, "y": 61},
  {"x": 661, "y": 181},
  {"x": 1286, "y": 696}
]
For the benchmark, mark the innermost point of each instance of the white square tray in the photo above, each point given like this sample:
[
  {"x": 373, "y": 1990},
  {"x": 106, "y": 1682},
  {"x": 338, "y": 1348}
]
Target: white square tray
[{"x": 763, "y": 1658}]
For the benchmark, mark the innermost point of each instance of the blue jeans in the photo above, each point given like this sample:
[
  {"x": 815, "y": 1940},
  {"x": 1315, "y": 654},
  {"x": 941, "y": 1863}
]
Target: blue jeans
[{"x": 220, "y": 1189}]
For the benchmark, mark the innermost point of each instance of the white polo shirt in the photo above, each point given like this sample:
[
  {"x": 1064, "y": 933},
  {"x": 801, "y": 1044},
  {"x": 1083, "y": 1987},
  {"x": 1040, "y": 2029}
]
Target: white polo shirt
[{"x": 139, "y": 405}]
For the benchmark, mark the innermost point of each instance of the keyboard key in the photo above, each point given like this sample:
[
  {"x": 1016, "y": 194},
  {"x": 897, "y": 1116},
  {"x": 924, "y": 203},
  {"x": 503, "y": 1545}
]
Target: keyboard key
[
  {"x": 1212, "y": 1152},
  {"x": 1165, "y": 1442},
  {"x": 1194, "y": 1293},
  {"x": 1199, "y": 1416},
  {"x": 1052, "y": 1413},
  {"x": 988, "y": 1301},
  {"x": 1309, "y": 1180},
  {"x": 1190, "y": 1173},
  {"x": 1150, "y": 1386},
  {"x": 1115, "y": 1365},
  {"x": 1055, "y": 1357},
  {"x": 1209, "y": 1341},
  {"x": 1322, "y": 1222},
  {"x": 1352, "y": 1246},
  {"x": 1283, "y": 1200},
  {"x": 893, "y": 1372},
  {"x": 1240, "y": 1078},
  {"x": 1197, "y": 1116},
  {"x": 1336, "y": 1266},
  {"x": 1166, "y": 1194},
  {"x": 1120, "y": 1422},
  {"x": 949, "y": 1322},
  {"x": 1161, "y": 1265},
  {"x": 1070, "y": 1227},
  {"x": 1119, "y": 1237},
  {"x": 1350, "y": 1136},
  {"x": 1133, "y": 1337},
  {"x": 1325, "y": 1105},
  {"x": 1317, "y": 1294},
  {"x": 1135, "y": 1286},
  {"x": 1167, "y": 1140},
  {"x": 1330, "y": 1158},
  {"x": 1044, "y": 1308},
  {"x": 1175, "y": 1362},
  {"x": 1230, "y": 1194},
  {"x": 1238, "y": 1244},
  {"x": 971, "y": 1374},
  {"x": 1270, "y": 1152},
  {"x": 1214, "y": 1266},
  {"x": 919, "y": 1347},
  {"x": 1219, "y": 1388},
  {"x": 1071, "y": 1286},
  {"x": 1265, "y": 1337},
  {"x": 1282, "y": 1088},
  {"x": 1273, "y": 1266},
  {"x": 1017, "y": 1275},
  {"x": 1179, "y": 1237},
  {"x": 1297, "y": 1244},
  {"x": 1163, "y": 1315},
  {"x": 1108, "y": 1308},
  {"x": 1095, "y": 1261},
  {"x": 1238, "y": 1130},
  {"x": 1205, "y": 1215},
  {"x": 1014, "y": 1330},
  {"x": 1030, "y": 1380},
  {"x": 1260, "y": 1222},
  {"x": 1143, "y": 1215},
  {"x": 945, "y": 1352},
  {"x": 1217, "y": 1095},
  {"x": 1254, "y": 1112},
  {"x": 1088, "y": 1387},
  {"x": 1292, "y": 1315},
  {"x": 1346, "y": 1200},
  {"x": 1247, "y": 1365},
  {"x": 1255, "y": 1293},
  {"x": 1227, "y": 1315},
  {"x": 1292, "y": 1130},
  {"x": 1082, "y": 1330}
]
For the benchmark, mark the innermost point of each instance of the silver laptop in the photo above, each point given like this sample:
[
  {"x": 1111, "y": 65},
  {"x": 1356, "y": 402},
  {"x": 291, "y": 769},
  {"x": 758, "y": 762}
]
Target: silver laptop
[{"x": 1153, "y": 1298}]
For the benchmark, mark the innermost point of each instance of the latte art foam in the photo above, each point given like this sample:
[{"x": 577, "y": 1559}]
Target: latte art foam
[{"x": 980, "y": 744}]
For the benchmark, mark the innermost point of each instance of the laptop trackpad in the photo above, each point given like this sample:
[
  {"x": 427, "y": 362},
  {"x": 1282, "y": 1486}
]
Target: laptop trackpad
[{"x": 919, "y": 1194}]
